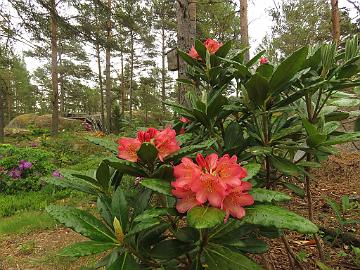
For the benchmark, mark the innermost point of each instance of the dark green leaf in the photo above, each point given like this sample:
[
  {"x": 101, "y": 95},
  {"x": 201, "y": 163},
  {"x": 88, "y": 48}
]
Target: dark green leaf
[
  {"x": 287, "y": 69},
  {"x": 250, "y": 245},
  {"x": 169, "y": 249},
  {"x": 266, "y": 195},
  {"x": 157, "y": 185},
  {"x": 255, "y": 59},
  {"x": 233, "y": 136},
  {"x": 81, "y": 222},
  {"x": 218, "y": 257},
  {"x": 149, "y": 223},
  {"x": 147, "y": 153},
  {"x": 224, "y": 49},
  {"x": 124, "y": 262},
  {"x": 103, "y": 205},
  {"x": 119, "y": 207},
  {"x": 284, "y": 165},
  {"x": 86, "y": 248},
  {"x": 348, "y": 137},
  {"x": 205, "y": 217},
  {"x": 252, "y": 170},
  {"x": 296, "y": 189},
  {"x": 187, "y": 234},
  {"x": 154, "y": 213},
  {"x": 271, "y": 215},
  {"x": 103, "y": 175},
  {"x": 257, "y": 89},
  {"x": 201, "y": 49},
  {"x": 126, "y": 167}
]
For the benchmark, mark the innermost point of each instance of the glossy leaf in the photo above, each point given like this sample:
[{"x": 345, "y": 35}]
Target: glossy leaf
[
  {"x": 266, "y": 195},
  {"x": 205, "y": 217},
  {"x": 124, "y": 262},
  {"x": 218, "y": 257},
  {"x": 155, "y": 212},
  {"x": 287, "y": 69},
  {"x": 169, "y": 249},
  {"x": 120, "y": 208},
  {"x": 158, "y": 185},
  {"x": 147, "y": 153},
  {"x": 81, "y": 222},
  {"x": 86, "y": 248},
  {"x": 271, "y": 215}
]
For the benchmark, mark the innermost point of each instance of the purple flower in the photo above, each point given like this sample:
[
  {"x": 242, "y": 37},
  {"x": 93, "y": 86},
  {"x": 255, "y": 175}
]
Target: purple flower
[
  {"x": 15, "y": 173},
  {"x": 57, "y": 174},
  {"x": 34, "y": 144},
  {"x": 24, "y": 165}
]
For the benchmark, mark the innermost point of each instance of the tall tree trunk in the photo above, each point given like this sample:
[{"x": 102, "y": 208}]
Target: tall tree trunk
[
  {"x": 61, "y": 84},
  {"x": 186, "y": 32},
  {"x": 54, "y": 70},
  {"x": 163, "y": 69},
  {"x": 102, "y": 113},
  {"x": 107, "y": 71},
  {"x": 2, "y": 120},
  {"x": 335, "y": 19},
  {"x": 131, "y": 74},
  {"x": 244, "y": 27},
  {"x": 122, "y": 85}
]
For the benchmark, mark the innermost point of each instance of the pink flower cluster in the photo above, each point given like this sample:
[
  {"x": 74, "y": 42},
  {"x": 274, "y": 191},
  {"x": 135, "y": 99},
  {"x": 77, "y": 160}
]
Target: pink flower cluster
[
  {"x": 17, "y": 172},
  {"x": 214, "y": 180},
  {"x": 211, "y": 45},
  {"x": 164, "y": 141}
]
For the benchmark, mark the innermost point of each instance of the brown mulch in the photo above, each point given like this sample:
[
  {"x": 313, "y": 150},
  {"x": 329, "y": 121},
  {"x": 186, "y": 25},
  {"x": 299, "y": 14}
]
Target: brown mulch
[
  {"x": 338, "y": 176},
  {"x": 38, "y": 251}
]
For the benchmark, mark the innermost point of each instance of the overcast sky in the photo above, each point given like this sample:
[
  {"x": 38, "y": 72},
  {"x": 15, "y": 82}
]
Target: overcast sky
[{"x": 259, "y": 24}]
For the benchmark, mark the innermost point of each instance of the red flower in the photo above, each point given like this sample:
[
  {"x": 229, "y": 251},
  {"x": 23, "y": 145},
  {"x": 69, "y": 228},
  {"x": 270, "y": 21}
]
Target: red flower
[
  {"x": 186, "y": 199},
  {"x": 184, "y": 120},
  {"x": 214, "y": 180},
  {"x": 164, "y": 141},
  {"x": 236, "y": 199},
  {"x": 128, "y": 148},
  {"x": 193, "y": 53},
  {"x": 212, "y": 45},
  {"x": 186, "y": 173},
  {"x": 229, "y": 171},
  {"x": 263, "y": 60}
]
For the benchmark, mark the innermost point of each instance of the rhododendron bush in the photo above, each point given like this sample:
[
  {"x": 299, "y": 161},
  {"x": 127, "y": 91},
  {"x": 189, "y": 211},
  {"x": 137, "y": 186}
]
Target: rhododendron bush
[{"x": 206, "y": 186}]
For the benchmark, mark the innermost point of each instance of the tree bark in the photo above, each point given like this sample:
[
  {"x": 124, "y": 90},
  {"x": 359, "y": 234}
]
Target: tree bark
[
  {"x": 54, "y": 70},
  {"x": 102, "y": 113},
  {"x": 61, "y": 85},
  {"x": 131, "y": 74},
  {"x": 122, "y": 86},
  {"x": 2, "y": 120},
  {"x": 107, "y": 71},
  {"x": 186, "y": 32},
  {"x": 335, "y": 19},
  {"x": 244, "y": 27},
  {"x": 163, "y": 70}
]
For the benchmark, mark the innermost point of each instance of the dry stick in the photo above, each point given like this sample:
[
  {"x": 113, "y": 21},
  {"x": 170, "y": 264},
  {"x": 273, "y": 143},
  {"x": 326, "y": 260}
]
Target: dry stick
[
  {"x": 291, "y": 253},
  {"x": 310, "y": 210}
]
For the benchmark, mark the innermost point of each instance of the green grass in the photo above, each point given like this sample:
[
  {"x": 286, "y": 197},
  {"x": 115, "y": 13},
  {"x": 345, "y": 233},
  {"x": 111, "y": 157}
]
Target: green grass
[
  {"x": 34, "y": 200},
  {"x": 26, "y": 222}
]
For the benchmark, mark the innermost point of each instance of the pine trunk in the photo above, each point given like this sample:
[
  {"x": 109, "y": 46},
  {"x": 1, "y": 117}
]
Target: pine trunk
[
  {"x": 102, "y": 113},
  {"x": 131, "y": 74},
  {"x": 54, "y": 71},
  {"x": 186, "y": 32},
  {"x": 244, "y": 27},
  {"x": 122, "y": 86},
  {"x": 335, "y": 19},
  {"x": 61, "y": 86},
  {"x": 107, "y": 71},
  {"x": 163, "y": 70},
  {"x": 2, "y": 120}
]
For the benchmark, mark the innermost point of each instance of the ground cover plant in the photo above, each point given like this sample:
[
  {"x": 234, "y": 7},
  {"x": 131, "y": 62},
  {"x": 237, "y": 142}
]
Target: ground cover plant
[{"x": 207, "y": 197}]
